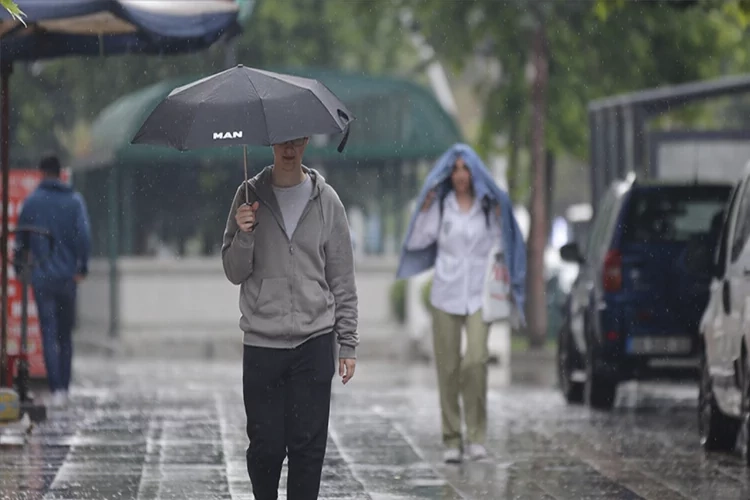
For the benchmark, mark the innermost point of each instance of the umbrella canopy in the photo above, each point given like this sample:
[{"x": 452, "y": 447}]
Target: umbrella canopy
[
  {"x": 244, "y": 106},
  {"x": 103, "y": 27}
]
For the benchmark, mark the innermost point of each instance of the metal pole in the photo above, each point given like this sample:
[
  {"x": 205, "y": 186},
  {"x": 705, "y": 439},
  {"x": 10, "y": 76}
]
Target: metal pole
[
  {"x": 5, "y": 71},
  {"x": 595, "y": 160},
  {"x": 113, "y": 243},
  {"x": 612, "y": 153},
  {"x": 23, "y": 369},
  {"x": 619, "y": 125},
  {"x": 593, "y": 164},
  {"x": 640, "y": 163},
  {"x": 629, "y": 138},
  {"x": 127, "y": 190}
]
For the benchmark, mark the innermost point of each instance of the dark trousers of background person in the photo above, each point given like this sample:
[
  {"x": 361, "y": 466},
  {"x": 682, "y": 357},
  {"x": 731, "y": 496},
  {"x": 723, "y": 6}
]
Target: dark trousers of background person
[
  {"x": 56, "y": 309},
  {"x": 287, "y": 395}
]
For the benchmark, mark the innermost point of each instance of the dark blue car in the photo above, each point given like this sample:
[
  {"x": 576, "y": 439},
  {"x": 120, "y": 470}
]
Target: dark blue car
[{"x": 634, "y": 310}]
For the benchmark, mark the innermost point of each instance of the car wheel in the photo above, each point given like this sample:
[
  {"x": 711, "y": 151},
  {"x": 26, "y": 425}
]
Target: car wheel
[
  {"x": 601, "y": 388},
  {"x": 568, "y": 360},
  {"x": 718, "y": 432}
]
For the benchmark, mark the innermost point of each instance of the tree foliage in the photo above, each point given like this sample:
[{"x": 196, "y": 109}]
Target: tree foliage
[{"x": 596, "y": 49}]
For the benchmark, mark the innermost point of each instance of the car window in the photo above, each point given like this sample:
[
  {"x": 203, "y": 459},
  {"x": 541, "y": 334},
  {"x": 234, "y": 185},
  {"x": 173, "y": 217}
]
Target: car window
[
  {"x": 600, "y": 223},
  {"x": 674, "y": 213},
  {"x": 742, "y": 226},
  {"x": 613, "y": 221}
]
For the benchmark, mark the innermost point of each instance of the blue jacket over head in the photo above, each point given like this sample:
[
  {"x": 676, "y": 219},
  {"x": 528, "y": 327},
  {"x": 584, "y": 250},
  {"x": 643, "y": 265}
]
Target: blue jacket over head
[
  {"x": 56, "y": 207},
  {"x": 413, "y": 262}
]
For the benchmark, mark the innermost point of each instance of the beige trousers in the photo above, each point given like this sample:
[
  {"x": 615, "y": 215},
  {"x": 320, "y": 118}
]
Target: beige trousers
[{"x": 465, "y": 378}]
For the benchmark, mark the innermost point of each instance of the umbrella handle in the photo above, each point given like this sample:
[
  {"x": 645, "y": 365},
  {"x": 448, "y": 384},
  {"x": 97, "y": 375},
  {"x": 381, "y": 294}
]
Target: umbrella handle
[
  {"x": 247, "y": 194},
  {"x": 247, "y": 189}
]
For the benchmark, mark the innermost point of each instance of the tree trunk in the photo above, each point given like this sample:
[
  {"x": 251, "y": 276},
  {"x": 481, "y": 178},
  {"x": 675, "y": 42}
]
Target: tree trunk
[
  {"x": 536, "y": 310},
  {"x": 512, "y": 173},
  {"x": 550, "y": 179}
]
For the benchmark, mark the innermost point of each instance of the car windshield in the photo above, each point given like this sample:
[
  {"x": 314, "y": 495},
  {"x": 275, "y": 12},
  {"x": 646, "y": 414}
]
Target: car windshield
[{"x": 674, "y": 214}]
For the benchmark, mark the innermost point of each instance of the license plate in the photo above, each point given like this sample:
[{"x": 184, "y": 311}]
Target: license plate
[{"x": 659, "y": 345}]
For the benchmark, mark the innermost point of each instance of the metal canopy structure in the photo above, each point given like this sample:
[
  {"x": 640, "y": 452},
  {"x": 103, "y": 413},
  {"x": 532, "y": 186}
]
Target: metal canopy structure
[{"x": 617, "y": 125}]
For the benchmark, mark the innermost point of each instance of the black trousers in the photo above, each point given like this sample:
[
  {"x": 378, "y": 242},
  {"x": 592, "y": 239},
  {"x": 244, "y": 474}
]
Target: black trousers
[{"x": 287, "y": 395}]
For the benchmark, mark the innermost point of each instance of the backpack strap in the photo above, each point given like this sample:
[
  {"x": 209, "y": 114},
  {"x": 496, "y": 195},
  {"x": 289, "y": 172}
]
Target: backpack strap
[{"x": 486, "y": 206}]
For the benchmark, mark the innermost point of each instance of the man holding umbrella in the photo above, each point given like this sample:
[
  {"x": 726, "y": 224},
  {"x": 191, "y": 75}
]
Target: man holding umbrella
[
  {"x": 291, "y": 253},
  {"x": 287, "y": 244}
]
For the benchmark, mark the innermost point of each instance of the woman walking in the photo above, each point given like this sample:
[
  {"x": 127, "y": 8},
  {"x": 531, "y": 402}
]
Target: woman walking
[{"x": 462, "y": 216}]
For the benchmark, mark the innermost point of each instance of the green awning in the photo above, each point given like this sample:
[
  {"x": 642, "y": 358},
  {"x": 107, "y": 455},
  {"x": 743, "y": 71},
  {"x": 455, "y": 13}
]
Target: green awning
[{"x": 396, "y": 120}]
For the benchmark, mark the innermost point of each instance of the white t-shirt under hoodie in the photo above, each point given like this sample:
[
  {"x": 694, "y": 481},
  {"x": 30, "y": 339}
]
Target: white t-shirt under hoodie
[{"x": 292, "y": 202}]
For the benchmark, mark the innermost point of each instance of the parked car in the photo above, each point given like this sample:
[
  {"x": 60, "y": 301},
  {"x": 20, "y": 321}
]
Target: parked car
[
  {"x": 724, "y": 395},
  {"x": 635, "y": 308}
]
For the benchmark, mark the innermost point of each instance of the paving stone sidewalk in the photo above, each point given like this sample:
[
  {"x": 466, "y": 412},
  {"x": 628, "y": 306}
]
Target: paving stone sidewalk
[{"x": 175, "y": 430}]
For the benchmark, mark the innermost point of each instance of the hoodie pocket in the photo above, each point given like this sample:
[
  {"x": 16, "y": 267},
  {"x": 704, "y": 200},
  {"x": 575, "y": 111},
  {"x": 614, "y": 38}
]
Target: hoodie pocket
[
  {"x": 273, "y": 298},
  {"x": 313, "y": 301}
]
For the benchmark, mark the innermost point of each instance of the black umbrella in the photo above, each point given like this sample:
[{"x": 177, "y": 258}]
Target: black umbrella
[{"x": 242, "y": 106}]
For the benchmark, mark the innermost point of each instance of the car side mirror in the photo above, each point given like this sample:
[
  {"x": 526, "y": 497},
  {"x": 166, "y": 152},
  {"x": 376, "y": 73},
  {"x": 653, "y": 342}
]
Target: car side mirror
[{"x": 570, "y": 253}]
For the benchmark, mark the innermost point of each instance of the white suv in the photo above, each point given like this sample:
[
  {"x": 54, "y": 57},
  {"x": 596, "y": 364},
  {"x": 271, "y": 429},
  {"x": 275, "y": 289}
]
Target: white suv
[{"x": 724, "y": 396}]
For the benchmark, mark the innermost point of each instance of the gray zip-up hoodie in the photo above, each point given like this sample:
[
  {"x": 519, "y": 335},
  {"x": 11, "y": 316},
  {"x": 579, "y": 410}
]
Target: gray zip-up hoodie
[{"x": 293, "y": 289}]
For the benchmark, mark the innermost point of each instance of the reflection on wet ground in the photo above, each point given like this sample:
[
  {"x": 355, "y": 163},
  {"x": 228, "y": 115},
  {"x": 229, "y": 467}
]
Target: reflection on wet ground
[{"x": 175, "y": 430}]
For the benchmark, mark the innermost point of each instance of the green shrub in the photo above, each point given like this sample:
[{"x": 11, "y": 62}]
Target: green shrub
[{"x": 398, "y": 300}]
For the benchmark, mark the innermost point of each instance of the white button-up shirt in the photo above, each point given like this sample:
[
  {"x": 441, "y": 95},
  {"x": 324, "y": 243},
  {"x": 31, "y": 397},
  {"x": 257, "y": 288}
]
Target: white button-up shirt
[{"x": 463, "y": 246}]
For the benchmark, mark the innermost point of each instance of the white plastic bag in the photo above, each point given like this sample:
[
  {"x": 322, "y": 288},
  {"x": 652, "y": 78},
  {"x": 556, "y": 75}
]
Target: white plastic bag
[{"x": 496, "y": 297}]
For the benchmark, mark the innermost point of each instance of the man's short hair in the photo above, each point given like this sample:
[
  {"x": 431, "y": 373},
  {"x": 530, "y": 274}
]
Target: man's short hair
[{"x": 50, "y": 165}]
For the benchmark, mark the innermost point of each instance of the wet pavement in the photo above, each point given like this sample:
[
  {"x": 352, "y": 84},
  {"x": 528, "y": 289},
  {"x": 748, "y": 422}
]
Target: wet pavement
[{"x": 153, "y": 430}]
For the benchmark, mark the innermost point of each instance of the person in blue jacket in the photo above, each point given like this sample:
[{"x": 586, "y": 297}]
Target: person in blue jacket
[
  {"x": 57, "y": 269},
  {"x": 462, "y": 214}
]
